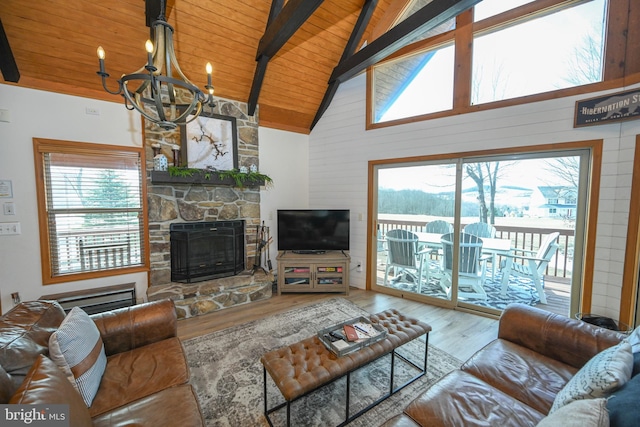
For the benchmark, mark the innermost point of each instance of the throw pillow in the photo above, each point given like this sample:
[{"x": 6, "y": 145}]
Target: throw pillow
[
  {"x": 604, "y": 373},
  {"x": 77, "y": 348},
  {"x": 623, "y": 407},
  {"x": 634, "y": 340},
  {"x": 579, "y": 413}
]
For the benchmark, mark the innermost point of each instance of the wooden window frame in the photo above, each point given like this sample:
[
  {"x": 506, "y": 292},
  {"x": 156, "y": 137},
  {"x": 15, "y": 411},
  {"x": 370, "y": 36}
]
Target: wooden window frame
[
  {"x": 621, "y": 66},
  {"x": 42, "y": 146}
]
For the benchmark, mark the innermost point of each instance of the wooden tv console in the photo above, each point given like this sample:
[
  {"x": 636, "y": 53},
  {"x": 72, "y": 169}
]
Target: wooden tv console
[{"x": 325, "y": 272}]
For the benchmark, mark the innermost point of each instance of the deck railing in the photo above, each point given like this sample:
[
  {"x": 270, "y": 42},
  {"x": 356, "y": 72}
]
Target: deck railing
[{"x": 528, "y": 238}]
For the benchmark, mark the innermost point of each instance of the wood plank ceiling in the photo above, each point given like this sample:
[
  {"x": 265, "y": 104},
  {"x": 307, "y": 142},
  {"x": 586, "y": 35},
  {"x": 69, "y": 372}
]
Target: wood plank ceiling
[{"x": 54, "y": 45}]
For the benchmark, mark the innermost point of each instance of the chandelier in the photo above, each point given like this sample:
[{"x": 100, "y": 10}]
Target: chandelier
[{"x": 160, "y": 91}]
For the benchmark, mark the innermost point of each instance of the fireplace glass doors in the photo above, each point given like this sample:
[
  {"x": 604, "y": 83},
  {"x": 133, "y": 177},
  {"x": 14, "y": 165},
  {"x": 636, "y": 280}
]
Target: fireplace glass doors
[{"x": 206, "y": 250}]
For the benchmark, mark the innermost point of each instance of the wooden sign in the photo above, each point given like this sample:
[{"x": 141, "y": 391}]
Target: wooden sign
[{"x": 610, "y": 108}]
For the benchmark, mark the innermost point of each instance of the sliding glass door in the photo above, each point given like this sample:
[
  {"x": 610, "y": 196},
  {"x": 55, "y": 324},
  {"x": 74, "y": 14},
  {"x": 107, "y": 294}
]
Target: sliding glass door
[{"x": 483, "y": 232}]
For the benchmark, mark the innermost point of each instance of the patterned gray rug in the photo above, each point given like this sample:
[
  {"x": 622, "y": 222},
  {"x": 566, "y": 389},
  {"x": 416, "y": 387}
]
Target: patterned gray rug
[
  {"x": 520, "y": 290},
  {"x": 227, "y": 374}
]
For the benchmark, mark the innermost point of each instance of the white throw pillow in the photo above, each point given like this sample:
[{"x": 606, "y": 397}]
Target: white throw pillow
[
  {"x": 604, "y": 373},
  {"x": 77, "y": 348},
  {"x": 579, "y": 413},
  {"x": 634, "y": 340}
]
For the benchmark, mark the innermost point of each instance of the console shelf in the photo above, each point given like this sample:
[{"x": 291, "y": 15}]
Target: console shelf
[{"x": 326, "y": 272}]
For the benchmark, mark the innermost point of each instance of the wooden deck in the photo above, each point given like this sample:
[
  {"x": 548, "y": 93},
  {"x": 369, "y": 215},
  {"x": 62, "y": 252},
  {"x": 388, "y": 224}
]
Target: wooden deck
[{"x": 558, "y": 293}]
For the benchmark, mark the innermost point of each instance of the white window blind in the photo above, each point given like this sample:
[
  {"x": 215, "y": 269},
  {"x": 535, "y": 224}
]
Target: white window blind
[{"x": 94, "y": 211}]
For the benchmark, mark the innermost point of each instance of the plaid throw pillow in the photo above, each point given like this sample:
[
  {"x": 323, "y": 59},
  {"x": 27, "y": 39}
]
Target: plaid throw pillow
[{"x": 77, "y": 349}]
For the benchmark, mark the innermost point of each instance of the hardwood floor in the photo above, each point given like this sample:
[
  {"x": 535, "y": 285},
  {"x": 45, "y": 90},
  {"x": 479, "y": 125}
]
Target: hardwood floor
[{"x": 458, "y": 333}]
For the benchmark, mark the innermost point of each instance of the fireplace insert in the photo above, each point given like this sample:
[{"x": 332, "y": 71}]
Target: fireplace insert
[{"x": 206, "y": 250}]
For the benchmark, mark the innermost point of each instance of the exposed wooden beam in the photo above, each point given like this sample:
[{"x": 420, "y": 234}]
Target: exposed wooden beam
[
  {"x": 430, "y": 16},
  {"x": 282, "y": 24},
  {"x": 285, "y": 24},
  {"x": 8, "y": 64},
  {"x": 350, "y": 48},
  {"x": 262, "y": 62}
]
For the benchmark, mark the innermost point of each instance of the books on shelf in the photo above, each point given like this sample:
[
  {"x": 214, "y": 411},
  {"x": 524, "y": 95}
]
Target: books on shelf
[{"x": 330, "y": 269}]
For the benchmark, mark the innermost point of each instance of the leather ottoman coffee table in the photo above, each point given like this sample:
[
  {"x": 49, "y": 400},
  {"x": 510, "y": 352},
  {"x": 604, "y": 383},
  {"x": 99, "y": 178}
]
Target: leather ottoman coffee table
[{"x": 307, "y": 365}]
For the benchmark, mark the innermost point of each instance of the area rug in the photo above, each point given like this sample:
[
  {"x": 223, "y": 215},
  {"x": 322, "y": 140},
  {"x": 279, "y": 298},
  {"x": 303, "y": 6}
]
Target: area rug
[
  {"x": 227, "y": 375},
  {"x": 520, "y": 290}
]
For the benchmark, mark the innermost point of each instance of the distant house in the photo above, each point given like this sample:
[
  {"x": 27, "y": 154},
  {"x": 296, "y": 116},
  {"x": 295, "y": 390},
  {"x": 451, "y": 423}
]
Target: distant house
[{"x": 553, "y": 202}]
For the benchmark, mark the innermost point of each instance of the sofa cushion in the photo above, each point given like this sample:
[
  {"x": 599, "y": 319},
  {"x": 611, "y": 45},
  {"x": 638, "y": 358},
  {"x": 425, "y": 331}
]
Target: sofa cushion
[
  {"x": 579, "y": 413},
  {"x": 76, "y": 347},
  {"x": 636, "y": 364},
  {"x": 460, "y": 399},
  {"x": 24, "y": 335},
  {"x": 623, "y": 404},
  {"x": 528, "y": 376},
  {"x": 604, "y": 373},
  {"x": 45, "y": 383},
  {"x": 170, "y": 407},
  {"x": 140, "y": 372}
]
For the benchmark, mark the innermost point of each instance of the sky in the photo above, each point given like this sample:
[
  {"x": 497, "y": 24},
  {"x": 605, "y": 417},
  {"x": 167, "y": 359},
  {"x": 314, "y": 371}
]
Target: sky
[
  {"x": 435, "y": 179},
  {"x": 520, "y": 63}
]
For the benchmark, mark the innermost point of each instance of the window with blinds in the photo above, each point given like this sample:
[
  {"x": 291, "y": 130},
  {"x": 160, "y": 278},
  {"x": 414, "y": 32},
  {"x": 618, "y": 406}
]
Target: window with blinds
[{"x": 91, "y": 209}]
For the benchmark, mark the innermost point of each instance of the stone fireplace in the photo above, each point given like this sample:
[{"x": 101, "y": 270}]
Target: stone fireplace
[{"x": 172, "y": 202}]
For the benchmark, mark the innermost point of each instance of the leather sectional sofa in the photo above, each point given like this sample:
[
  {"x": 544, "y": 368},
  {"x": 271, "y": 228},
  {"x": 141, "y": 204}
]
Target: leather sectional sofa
[
  {"x": 512, "y": 381},
  {"x": 145, "y": 382}
]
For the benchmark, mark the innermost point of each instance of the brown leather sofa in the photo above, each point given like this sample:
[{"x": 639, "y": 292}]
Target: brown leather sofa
[
  {"x": 146, "y": 380},
  {"x": 513, "y": 380}
]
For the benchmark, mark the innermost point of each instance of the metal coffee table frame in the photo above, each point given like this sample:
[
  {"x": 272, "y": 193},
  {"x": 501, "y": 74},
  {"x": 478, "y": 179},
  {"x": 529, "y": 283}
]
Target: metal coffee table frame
[{"x": 422, "y": 370}]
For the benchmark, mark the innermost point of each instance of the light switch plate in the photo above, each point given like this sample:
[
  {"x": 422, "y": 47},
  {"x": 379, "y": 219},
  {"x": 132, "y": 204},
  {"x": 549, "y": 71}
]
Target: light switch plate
[{"x": 10, "y": 228}]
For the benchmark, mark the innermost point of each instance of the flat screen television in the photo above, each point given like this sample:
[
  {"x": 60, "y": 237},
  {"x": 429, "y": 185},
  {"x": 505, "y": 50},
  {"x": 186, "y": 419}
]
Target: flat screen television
[{"x": 313, "y": 230}]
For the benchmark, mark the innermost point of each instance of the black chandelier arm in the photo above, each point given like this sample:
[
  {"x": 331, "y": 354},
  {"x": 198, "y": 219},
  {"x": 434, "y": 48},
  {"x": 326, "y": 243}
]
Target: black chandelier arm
[{"x": 104, "y": 77}]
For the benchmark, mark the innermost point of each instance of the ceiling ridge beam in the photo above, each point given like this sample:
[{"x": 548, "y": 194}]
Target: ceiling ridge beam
[
  {"x": 8, "y": 64},
  {"x": 283, "y": 22},
  {"x": 426, "y": 18},
  {"x": 356, "y": 35}
]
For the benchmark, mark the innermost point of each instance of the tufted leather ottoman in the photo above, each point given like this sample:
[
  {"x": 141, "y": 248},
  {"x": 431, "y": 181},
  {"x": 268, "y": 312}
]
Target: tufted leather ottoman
[{"x": 307, "y": 365}]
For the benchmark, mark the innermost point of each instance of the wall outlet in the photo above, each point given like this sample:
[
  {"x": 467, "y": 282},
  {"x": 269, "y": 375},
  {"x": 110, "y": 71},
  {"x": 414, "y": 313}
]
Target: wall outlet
[{"x": 359, "y": 266}]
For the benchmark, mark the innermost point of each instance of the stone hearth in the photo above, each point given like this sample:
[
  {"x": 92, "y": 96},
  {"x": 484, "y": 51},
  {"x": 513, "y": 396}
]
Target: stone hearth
[{"x": 194, "y": 299}]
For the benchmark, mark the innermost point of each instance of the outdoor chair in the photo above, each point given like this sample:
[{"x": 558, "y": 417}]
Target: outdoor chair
[
  {"x": 404, "y": 257},
  {"x": 471, "y": 266},
  {"x": 530, "y": 264},
  {"x": 437, "y": 227},
  {"x": 482, "y": 229}
]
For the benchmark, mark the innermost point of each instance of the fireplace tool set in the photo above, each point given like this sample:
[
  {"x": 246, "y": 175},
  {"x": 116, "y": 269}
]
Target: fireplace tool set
[{"x": 263, "y": 243}]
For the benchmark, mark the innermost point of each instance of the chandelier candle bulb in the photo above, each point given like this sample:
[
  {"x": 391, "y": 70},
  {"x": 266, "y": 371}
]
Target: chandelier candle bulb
[
  {"x": 149, "y": 47},
  {"x": 101, "y": 59}
]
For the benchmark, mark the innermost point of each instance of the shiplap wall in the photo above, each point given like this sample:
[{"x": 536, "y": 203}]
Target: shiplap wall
[{"x": 340, "y": 148}]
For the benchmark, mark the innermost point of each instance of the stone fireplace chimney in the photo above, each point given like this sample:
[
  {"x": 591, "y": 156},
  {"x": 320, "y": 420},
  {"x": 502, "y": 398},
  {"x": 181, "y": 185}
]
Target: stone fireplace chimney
[{"x": 178, "y": 202}]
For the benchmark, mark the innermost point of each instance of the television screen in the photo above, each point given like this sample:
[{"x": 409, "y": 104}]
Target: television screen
[{"x": 313, "y": 230}]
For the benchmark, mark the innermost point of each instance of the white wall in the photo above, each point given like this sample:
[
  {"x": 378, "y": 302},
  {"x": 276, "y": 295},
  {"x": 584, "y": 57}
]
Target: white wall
[
  {"x": 340, "y": 148},
  {"x": 47, "y": 115},
  {"x": 283, "y": 156}
]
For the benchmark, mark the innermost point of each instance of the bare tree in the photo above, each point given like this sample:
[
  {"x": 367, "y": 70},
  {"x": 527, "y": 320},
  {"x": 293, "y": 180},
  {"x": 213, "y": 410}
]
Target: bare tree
[{"x": 585, "y": 66}]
